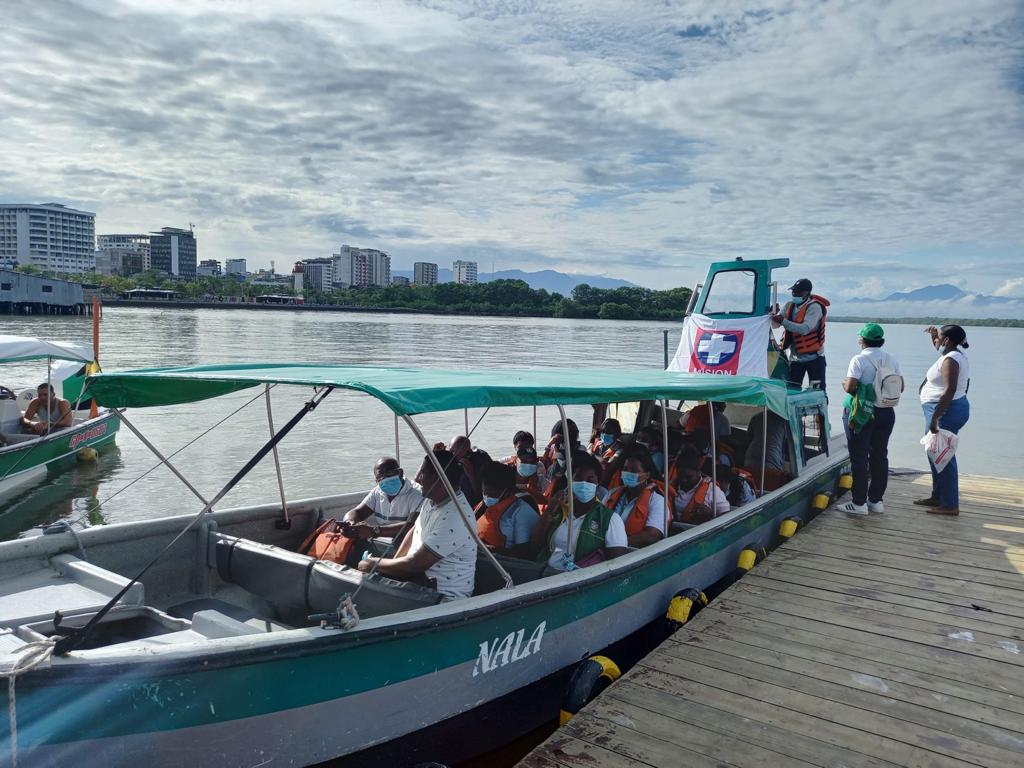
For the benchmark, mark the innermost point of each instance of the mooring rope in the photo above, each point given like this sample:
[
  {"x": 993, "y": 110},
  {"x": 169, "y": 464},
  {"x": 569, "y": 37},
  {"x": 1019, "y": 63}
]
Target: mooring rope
[{"x": 31, "y": 655}]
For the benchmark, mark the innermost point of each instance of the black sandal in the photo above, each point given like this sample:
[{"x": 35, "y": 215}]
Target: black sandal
[{"x": 931, "y": 501}]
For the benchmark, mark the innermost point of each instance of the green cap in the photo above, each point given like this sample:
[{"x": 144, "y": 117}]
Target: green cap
[{"x": 871, "y": 332}]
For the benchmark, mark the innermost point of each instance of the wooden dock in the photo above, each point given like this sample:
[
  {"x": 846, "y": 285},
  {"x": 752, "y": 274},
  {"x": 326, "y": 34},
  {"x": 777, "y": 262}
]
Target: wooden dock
[{"x": 890, "y": 640}]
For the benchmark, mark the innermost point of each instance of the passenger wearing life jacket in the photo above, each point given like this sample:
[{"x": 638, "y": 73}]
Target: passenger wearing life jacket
[
  {"x": 697, "y": 500},
  {"x": 650, "y": 438},
  {"x": 553, "y": 460},
  {"x": 737, "y": 483},
  {"x": 597, "y": 532},
  {"x": 607, "y": 445},
  {"x": 529, "y": 478},
  {"x": 506, "y": 517},
  {"x": 804, "y": 338},
  {"x": 638, "y": 501},
  {"x": 521, "y": 439}
]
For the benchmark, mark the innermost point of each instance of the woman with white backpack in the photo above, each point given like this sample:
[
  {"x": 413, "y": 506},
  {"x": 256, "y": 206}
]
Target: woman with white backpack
[{"x": 873, "y": 385}]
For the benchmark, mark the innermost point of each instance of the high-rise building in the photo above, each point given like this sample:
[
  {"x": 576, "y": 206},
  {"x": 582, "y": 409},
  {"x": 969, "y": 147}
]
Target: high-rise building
[
  {"x": 234, "y": 267},
  {"x": 208, "y": 268},
  {"x": 361, "y": 267},
  {"x": 399, "y": 280},
  {"x": 424, "y": 273},
  {"x": 464, "y": 272},
  {"x": 49, "y": 236},
  {"x": 136, "y": 243},
  {"x": 173, "y": 252},
  {"x": 119, "y": 262},
  {"x": 318, "y": 274}
]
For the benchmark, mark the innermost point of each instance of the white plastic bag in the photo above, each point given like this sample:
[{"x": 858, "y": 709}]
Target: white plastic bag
[{"x": 940, "y": 446}]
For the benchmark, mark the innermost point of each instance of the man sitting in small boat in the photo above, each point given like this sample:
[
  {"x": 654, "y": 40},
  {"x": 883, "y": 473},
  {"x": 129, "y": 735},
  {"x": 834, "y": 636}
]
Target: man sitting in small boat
[
  {"x": 737, "y": 484},
  {"x": 46, "y": 413},
  {"x": 441, "y": 551},
  {"x": 529, "y": 476},
  {"x": 386, "y": 508},
  {"x": 637, "y": 501},
  {"x": 506, "y": 517},
  {"x": 599, "y": 534},
  {"x": 608, "y": 440},
  {"x": 522, "y": 439},
  {"x": 697, "y": 500},
  {"x": 472, "y": 461}
]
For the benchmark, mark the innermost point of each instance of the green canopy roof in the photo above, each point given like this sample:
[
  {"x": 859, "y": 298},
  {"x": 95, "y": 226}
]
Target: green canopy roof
[{"x": 408, "y": 391}]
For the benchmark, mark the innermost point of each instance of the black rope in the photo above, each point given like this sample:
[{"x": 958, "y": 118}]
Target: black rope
[{"x": 76, "y": 637}]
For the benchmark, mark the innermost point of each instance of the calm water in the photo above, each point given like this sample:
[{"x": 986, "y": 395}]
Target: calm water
[{"x": 334, "y": 448}]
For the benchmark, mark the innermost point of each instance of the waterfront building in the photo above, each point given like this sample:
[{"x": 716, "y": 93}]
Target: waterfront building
[
  {"x": 424, "y": 273},
  {"x": 297, "y": 277},
  {"x": 21, "y": 293},
  {"x": 399, "y": 280},
  {"x": 464, "y": 272},
  {"x": 49, "y": 236},
  {"x": 361, "y": 267},
  {"x": 173, "y": 252},
  {"x": 119, "y": 262},
  {"x": 318, "y": 274},
  {"x": 234, "y": 267},
  {"x": 126, "y": 242},
  {"x": 208, "y": 268}
]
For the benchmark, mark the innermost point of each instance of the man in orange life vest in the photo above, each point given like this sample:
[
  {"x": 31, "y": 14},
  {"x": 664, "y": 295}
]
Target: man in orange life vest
[
  {"x": 804, "y": 320},
  {"x": 697, "y": 499}
]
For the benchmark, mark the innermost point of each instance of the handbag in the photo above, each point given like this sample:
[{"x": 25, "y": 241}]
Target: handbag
[{"x": 328, "y": 543}]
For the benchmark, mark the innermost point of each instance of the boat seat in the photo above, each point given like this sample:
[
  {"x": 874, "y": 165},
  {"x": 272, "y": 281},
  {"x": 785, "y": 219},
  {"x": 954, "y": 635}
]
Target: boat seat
[
  {"x": 71, "y": 586},
  {"x": 297, "y": 585},
  {"x": 214, "y": 624}
]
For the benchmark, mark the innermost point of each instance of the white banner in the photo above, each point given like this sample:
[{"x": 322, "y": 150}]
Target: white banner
[{"x": 730, "y": 347}]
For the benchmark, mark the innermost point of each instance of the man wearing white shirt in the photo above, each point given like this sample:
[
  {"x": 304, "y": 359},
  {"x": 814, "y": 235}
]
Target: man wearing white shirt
[
  {"x": 441, "y": 550},
  {"x": 387, "y": 506}
]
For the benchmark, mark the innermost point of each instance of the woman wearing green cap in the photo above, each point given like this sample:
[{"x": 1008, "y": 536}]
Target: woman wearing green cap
[{"x": 874, "y": 378}]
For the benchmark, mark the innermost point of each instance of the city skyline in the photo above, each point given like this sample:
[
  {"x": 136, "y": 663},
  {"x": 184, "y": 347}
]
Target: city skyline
[{"x": 876, "y": 145}]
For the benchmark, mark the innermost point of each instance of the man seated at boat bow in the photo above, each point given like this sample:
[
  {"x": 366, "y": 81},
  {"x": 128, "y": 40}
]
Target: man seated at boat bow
[
  {"x": 387, "y": 507},
  {"x": 47, "y": 412},
  {"x": 441, "y": 551}
]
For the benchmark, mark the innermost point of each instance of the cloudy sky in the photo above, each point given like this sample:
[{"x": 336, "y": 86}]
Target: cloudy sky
[{"x": 880, "y": 145}]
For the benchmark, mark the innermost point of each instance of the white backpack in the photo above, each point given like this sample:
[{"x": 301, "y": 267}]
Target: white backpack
[{"x": 888, "y": 383}]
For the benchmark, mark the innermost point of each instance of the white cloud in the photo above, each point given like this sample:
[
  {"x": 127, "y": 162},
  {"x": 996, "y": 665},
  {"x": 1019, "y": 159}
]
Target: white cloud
[
  {"x": 1013, "y": 287},
  {"x": 639, "y": 140}
]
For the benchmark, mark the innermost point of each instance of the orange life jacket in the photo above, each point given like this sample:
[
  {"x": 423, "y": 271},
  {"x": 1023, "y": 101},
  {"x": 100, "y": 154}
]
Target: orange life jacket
[
  {"x": 531, "y": 485},
  {"x": 806, "y": 343},
  {"x": 488, "y": 526},
  {"x": 637, "y": 519},
  {"x": 698, "y": 498},
  {"x": 746, "y": 475}
]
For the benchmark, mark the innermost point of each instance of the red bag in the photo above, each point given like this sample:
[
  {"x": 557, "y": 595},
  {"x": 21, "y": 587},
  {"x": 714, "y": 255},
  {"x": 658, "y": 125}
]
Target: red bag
[{"x": 328, "y": 543}]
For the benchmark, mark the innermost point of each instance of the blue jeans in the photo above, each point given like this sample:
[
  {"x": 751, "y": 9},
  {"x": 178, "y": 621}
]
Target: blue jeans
[
  {"x": 869, "y": 455},
  {"x": 946, "y": 484}
]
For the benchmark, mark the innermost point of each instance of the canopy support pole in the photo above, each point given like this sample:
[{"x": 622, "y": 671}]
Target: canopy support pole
[
  {"x": 764, "y": 446},
  {"x": 76, "y": 636},
  {"x": 163, "y": 459},
  {"x": 398, "y": 452},
  {"x": 535, "y": 438},
  {"x": 451, "y": 494},
  {"x": 714, "y": 453},
  {"x": 570, "y": 546},
  {"x": 465, "y": 420},
  {"x": 664, "y": 448},
  {"x": 49, "y": 391},
  {"x": 286, "y": 521}
]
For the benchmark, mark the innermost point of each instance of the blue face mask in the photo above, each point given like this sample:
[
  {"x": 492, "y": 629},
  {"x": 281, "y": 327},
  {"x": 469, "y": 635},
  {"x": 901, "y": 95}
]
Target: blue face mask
[
  {"x": 631, "y": 479},
  {"x": 659, "y": 460},
  {"x": 527, "y": 470},
  {"x": 798, "y": 300},
  {"x": 390, "y": 485},
  {"x": 490, "y": 501},
  {"x": 607, "y": 439},
  {"x": 583, "y": 491}
]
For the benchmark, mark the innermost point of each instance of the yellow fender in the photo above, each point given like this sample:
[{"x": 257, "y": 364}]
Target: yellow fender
[
  {"x": 588, "y": 680},
  {"x": 684, "y": 606},
  {"x": 789, "y": 527},
  {"x": 87, "y": 454},
  {"x": 821, "y": 501},
  {"x": 746, "y": 560},
  {"x": 845, "y": 482}
]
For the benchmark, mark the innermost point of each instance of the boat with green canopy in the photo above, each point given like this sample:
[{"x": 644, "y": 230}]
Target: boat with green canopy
[
  {"x": 25, "y": 456},
  {"x": 209, "y": 641}
]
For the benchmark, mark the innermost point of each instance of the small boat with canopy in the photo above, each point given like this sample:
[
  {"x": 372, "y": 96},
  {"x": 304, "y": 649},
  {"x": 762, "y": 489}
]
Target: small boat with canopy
[{"x": 209, "y": 641}]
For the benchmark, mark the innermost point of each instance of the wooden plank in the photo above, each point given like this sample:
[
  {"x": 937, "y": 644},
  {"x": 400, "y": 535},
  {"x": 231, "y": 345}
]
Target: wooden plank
[
  {"x": 975, "y": 541},
  {"x": 941, "y": 677},
  {"x": 742, "y": 730},
  {"x": 569, "y": 752},
  {"x": 810, "y": 697},
  {"x": 778, "y": 666},
  {"x": 817, "y": 724}
]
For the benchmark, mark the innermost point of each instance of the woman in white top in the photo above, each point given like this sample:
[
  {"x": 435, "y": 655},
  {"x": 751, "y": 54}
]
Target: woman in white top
[
  {"x": 869, "y": 445},
  {"x": 944, "y": 401}
]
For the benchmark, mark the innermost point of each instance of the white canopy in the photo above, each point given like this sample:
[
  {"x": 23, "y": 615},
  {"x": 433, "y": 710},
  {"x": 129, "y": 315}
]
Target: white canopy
[{"x": 16, "y": 348}]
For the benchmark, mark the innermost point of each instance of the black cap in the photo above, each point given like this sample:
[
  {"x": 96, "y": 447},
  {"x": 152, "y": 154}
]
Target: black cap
[{"x": 801, "y": 285}]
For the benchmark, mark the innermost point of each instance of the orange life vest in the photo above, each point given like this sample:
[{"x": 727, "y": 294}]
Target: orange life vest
[
  {"x": 698, "y": 498},
  {"x": 488, "y": 525},
  {"x": 531, "y": 485},
  {"x": 806, "y": 343},
  {"x": 637, "y": 519},
  {"x": 746, "y": 475}
]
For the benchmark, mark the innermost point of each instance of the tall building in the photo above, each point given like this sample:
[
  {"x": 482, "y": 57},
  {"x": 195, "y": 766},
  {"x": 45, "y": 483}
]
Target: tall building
[
  {"x": 361, "y": 267},
  {"x": 119, "y": 262},
  {"x": 173, "y": 252},
  {"x": 424, "y": 273},
  {"x": 208, "y": 268},
  {"x": 234, "y": 267},
  {"x": 135, "y": 243},
  {"x": 399, "y": 280},
  {"x": 318, "y": 274},
  {"x": 49, "y": 236},
  {"x": 464, "y": 272}
]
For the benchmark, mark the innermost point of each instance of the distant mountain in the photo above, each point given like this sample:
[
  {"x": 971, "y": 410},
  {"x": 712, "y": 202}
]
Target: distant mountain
[
  {"x": 944, "y": 292},
  {"x": 934, "y": 300},
  {"x": 548, "y": 279}
]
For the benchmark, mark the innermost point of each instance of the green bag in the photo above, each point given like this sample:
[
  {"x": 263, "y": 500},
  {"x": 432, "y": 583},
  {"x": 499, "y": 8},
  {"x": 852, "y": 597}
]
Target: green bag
[{"x": 860, "y": 406}]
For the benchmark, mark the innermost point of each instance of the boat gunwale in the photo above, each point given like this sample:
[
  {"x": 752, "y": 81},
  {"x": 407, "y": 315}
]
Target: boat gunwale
[{"x": 53, "y": 436}]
